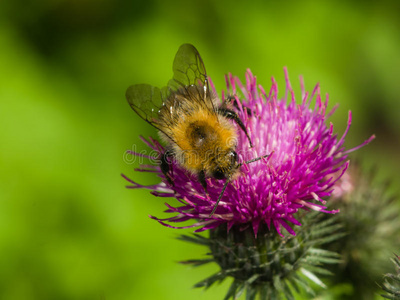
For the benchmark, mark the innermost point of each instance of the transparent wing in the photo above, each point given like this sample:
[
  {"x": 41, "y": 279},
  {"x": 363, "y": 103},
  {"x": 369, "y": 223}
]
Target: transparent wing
[
  {"x": 189, "y": 80},
  {"x": 146, "y": 101},
  {"x": 190, "y": 76}
]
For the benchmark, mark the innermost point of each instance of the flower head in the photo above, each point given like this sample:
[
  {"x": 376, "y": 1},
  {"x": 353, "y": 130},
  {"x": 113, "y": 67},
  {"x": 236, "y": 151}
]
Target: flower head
[
  {"x": 306, "y": 160},
  {"x": 370, "y": 220},
  {"x": 392, "y": 281}
]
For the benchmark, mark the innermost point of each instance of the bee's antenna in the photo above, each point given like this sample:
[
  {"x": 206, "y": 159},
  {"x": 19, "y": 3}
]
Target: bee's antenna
[
  {"x": 219, "y": 198},
  {"x": 253, "y": 160},
  {"x": 228, "y": 180}
]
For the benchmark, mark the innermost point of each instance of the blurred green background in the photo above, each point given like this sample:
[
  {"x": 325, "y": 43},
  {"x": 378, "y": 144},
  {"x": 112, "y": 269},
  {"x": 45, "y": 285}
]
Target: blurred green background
[{"x": 69, "y": 229}]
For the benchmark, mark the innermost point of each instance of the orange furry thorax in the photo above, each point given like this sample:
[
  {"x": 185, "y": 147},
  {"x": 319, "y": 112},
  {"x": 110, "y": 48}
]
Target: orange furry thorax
[{"x": 203, "y": 139}]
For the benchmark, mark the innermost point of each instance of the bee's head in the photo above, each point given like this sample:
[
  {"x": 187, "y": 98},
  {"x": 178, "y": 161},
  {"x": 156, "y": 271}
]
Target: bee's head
[{"x": 225, "y": 165}]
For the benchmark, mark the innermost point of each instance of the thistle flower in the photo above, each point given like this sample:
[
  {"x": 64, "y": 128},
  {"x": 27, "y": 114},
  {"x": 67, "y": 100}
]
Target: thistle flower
[
  {"x": 370, "y": 220},
  {"x": 300, "y": 172},
  {"x": 392, "y": 281}
]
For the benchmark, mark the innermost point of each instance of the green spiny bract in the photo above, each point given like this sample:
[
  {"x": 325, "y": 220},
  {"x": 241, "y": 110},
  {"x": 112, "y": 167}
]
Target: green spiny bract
[
  {"x": 369, "y": 215},
  {"x": 392, "y": 282},
  {"x": 270, "y": 265}
]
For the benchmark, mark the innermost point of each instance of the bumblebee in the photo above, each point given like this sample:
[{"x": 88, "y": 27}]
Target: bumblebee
[{"x": 192, "y": 121}]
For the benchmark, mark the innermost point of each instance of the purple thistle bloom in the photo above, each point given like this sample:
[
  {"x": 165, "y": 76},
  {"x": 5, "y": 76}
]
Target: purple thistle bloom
[{"x": 306, "y": 161}]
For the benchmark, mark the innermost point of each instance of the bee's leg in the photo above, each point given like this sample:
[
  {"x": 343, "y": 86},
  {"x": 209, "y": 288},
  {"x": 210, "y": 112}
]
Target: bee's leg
[
  {"x": 164, "y": 166},
  {"x": 228, "y": 100},
  {"x": 202, "y": 178},
  {"x": 230, "y": 114},
  {"x": 232, "y": 99}
]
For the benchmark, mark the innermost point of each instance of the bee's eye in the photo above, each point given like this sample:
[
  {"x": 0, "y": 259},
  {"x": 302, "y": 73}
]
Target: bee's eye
[{"x": 218, "y": 174}]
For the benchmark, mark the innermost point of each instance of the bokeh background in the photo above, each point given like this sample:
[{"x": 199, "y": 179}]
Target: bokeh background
[{"x": 68, "y": 227}]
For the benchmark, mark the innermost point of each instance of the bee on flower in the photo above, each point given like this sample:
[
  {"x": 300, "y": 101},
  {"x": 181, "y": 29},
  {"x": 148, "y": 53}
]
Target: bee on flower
[{"x": 290, "y": 159}]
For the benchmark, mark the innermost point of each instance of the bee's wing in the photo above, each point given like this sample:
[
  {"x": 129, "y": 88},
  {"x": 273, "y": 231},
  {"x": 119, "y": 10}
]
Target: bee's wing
[
  {"x": 189, "y": 71},
  {"x": 146, "y": 101}
]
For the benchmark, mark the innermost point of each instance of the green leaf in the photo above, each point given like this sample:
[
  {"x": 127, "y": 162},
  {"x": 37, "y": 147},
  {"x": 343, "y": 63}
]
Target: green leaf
[
  {"x": 318, "y": 270},
  {"x": 312, "y": 277},
  {"x": 196, "y": 262},
  {"x": 251, "y": 293},
  {"x": 196, "y": 239},
  {"x": 304, "y": 284},
  {"x": 277, "y": 283},
  {"x": 209, "y": 281},
  {"x": 323, "y": 252},
  {"x": 287, "y": 292},
  {"x": 232, "y": 290}
]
